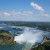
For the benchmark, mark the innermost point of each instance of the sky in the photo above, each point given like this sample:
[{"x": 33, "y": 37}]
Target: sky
[{"x": 25, "y": 10}]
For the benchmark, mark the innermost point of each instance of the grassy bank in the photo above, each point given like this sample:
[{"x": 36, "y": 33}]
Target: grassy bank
[{"x": 6, "y": 38}]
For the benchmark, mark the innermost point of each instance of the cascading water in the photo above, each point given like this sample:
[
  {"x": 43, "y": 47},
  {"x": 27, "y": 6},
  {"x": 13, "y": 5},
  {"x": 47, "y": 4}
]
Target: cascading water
[{"x": 29, "y": 37}]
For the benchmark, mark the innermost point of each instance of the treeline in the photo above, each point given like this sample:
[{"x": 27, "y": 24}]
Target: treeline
[{"x": 39, "y": 25}]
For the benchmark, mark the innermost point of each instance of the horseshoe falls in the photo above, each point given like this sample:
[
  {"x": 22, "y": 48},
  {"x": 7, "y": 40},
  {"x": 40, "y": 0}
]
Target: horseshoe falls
[{"x": 26, "y": 36}]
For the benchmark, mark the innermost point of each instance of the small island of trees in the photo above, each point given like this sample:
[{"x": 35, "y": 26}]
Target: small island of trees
[{"x": 6, "y": 38}]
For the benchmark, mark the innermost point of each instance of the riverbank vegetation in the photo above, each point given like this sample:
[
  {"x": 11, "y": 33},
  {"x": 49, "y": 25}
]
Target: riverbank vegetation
[
  {"x": 44, "y": 46},
  {"x": 6, "y": 38}
]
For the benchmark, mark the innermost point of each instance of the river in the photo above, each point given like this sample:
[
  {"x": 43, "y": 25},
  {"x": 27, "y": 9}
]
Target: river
[{"x": 25, "y": 37}]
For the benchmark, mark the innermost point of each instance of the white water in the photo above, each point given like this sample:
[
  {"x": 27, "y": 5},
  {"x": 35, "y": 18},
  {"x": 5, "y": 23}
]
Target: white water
[{"x": 29, "y": 36}]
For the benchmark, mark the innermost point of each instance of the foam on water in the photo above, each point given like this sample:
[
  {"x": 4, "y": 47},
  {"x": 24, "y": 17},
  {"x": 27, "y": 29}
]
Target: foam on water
[{"x": 30, "y": 36}]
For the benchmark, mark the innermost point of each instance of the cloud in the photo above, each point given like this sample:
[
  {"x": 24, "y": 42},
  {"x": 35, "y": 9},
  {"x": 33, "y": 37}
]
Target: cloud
[
  {"x": 39, "y": 8},
  {"x": 11, "y": 13},
  {"x": 6, "y": 14}
]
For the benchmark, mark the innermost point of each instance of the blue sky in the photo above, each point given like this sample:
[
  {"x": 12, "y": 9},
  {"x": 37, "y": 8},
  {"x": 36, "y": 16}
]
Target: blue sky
[{"x": 25, "y": 10}]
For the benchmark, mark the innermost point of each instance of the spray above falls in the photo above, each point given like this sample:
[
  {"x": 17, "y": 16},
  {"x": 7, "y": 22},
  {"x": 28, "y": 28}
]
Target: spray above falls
[{"x": 30, "y": 36}]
